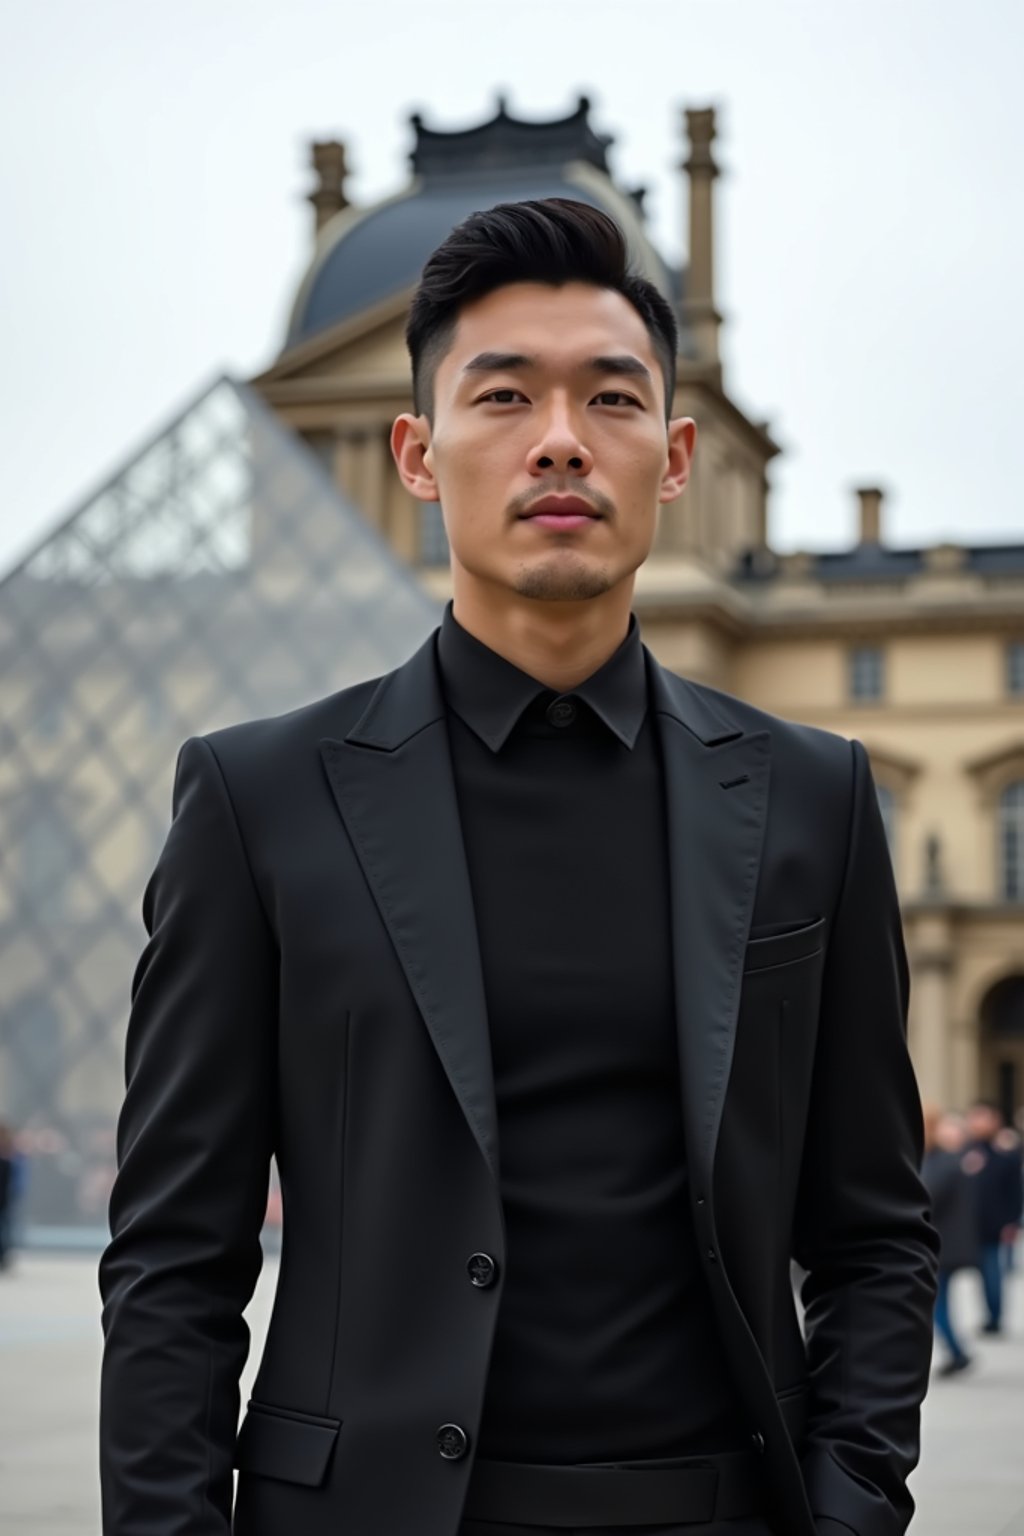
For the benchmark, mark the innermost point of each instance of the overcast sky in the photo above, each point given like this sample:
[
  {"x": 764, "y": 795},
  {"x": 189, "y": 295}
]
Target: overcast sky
[{"x": 154, "y": 162}]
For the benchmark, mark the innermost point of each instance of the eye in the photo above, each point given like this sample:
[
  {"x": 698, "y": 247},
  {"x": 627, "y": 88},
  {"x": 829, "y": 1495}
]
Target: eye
[
  {"x": 492, "y": 397},
  {"x": 617, "y": 397}
]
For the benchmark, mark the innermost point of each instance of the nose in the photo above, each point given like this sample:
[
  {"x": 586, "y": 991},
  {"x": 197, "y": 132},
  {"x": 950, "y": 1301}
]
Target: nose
[{"x": 560, "y": 448}]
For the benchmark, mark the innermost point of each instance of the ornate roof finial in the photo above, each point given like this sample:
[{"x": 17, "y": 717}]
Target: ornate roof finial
[
  {"x": 328, "y": 196},
  {"x": 508, "y": 143}
]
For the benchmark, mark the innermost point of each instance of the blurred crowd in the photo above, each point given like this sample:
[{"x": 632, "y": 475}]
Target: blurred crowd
[{"x": 974, "y": 1171}]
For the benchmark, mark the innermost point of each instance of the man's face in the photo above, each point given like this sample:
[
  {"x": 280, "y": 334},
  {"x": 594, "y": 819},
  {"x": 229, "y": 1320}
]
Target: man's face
[
  {"x": 549, "y": 392},
  {"x": 950, "y": 1133},
  {"x": 982, "y": 1122}
]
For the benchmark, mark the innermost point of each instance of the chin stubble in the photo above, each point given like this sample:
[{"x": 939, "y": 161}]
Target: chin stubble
[{"x": 548, "y": 584}]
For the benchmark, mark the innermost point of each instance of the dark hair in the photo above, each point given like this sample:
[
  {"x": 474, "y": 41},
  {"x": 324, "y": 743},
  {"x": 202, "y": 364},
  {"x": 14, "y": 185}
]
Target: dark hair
[{"x": 552, "y": 240}]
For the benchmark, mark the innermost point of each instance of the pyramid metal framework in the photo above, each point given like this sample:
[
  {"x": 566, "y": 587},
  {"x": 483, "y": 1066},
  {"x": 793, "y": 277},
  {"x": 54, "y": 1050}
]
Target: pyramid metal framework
[{"x": 220, "y": 576}]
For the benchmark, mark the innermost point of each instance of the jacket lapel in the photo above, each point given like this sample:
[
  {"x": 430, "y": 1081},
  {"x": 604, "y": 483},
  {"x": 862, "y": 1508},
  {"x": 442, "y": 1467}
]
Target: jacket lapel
[
  {"x": 393, "y": 783},
  {"x": 716, "y": 789}
]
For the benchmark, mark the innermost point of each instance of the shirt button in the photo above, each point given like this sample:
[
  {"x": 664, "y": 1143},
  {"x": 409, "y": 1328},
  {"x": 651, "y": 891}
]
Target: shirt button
[
  {"x": 562, "y": 712},
  {"x": 482, "y": 1269},
  {"x": 452, "y": 1441}
]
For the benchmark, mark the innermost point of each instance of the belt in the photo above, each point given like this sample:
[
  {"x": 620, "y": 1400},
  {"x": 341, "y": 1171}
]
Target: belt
[{"x": 671, "y": 1490}]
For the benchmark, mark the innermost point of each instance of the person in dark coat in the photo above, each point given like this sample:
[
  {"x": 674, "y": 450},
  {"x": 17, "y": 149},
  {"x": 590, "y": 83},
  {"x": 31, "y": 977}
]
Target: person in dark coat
[
  {"x": 996, "y": 1182},
  {"x": 6, "y": 1191},
  {"x": 953, "y": 1216}
]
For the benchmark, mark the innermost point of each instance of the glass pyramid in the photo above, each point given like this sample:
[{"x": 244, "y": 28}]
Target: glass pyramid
[{"x": 218, "y": 577}]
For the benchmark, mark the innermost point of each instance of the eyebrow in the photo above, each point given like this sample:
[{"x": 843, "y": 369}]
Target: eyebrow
[{"x": 624, "y": 364}]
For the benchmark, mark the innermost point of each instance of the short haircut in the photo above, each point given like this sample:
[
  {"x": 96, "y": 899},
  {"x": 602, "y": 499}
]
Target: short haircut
[{"x": 552, "y": 240}]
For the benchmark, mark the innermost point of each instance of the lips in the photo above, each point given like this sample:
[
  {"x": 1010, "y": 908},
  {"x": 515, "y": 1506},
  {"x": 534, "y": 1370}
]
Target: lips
[{"x": 562, "y": 506}]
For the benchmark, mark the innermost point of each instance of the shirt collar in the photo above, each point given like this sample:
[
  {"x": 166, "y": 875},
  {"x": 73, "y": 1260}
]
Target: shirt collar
[{"x": 490, "y": 693}]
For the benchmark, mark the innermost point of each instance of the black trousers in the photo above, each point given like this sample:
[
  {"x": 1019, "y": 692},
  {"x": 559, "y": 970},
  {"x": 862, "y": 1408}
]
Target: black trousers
[{"x": 752, "y": 1525}]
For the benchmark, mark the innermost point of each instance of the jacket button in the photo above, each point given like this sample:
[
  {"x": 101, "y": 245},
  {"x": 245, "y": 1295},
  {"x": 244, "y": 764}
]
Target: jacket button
[
  {"x": 757, "y": 1440},
  {"x": 452, "y": 1441},
  {"x": 712, "y": 1256},
  {"x": 482, "y": 1269}
]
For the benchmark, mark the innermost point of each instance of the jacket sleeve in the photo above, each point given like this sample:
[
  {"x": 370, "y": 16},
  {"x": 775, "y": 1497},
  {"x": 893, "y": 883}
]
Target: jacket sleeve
[
  {"x": 194, "y": 1142},
  {"x": 862, "y": 1230}
]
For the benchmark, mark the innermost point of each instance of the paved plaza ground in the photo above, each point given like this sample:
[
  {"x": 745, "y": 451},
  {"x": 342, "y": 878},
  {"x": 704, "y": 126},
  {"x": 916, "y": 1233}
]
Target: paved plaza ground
[{"x": 970, "y": 1482}]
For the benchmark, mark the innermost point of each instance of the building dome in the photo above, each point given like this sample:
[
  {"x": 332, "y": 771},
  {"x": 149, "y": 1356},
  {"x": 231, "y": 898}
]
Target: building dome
[{"x": 366, "y": 255}]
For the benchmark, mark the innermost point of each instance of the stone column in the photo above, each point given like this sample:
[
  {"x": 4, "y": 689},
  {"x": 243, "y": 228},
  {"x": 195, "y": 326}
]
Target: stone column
[
  {"x": 930, "y": 951},
  {"x": 699, "y": 313},
  {"x": 373, "y": 486},
  {"x": 346, "y": 463}
]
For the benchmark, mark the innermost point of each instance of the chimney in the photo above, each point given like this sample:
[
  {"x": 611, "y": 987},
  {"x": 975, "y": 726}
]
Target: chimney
[
  {"x": 328, "y": 197},
  {"x": 870, "y": 500},
  {"x": 699, "y": 313}
]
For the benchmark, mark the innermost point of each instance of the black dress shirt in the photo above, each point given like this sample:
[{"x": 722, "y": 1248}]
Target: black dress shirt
[{"x": 605, "y": 1344}]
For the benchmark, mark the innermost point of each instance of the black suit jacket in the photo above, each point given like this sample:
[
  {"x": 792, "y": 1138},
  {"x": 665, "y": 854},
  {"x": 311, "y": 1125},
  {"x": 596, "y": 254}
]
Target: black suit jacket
[{"x": 311, "y": 988}]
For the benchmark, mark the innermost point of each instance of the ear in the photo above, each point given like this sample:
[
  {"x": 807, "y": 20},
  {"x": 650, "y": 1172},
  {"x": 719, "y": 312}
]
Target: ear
[
  {"x": 410, "y": 446},
  {"x": 682, "y": 435}
]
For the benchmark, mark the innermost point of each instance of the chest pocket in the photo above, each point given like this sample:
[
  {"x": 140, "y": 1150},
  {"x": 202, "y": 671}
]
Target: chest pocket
[{"x": 769, "y": 951}]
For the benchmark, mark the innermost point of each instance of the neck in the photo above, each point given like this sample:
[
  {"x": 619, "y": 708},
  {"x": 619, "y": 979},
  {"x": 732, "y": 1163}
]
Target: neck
[{"x": 559, "y": 643}]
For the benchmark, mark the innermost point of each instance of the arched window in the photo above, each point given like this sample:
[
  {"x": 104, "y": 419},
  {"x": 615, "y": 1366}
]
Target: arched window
[{"x": 1011, "y": 841}]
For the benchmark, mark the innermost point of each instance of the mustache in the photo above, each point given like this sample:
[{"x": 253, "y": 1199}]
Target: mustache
[{"x": 520, "y": 505}]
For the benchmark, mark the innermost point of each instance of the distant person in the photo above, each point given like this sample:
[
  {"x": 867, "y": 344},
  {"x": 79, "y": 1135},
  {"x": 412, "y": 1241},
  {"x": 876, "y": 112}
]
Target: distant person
[
  {"x": 949, "y": 1188},
  {"x": 1012, "y": 1140},
  {"x": 1009, "y": 1140},
  {"x": 7, "y": 1194},
  {"x": 998, "y": 1189}
]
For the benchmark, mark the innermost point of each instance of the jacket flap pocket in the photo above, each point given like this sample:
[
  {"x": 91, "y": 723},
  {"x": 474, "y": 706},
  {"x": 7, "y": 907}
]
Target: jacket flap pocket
[
  {"x": 279, "y": 1443},
  {"x": 781, "y": 948}
]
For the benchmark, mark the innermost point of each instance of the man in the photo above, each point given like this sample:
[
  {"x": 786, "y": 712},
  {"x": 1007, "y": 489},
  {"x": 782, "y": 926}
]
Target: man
[
  {"x": 952, "y": 1212},
  {"x": 997, "y": 1186},
  {"x": 562, "y": 988},
  {"x": 7, "y": 1193}
]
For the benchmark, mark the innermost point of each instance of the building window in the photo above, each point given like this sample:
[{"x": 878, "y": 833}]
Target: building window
[
  {"x": 867, "y": 672},
  {"x": 1015, "y": 668},
  {"x": 433, "y": 539},
  {"x": 1011, "y": 841},
  {"x": 887, "y": 806}
]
